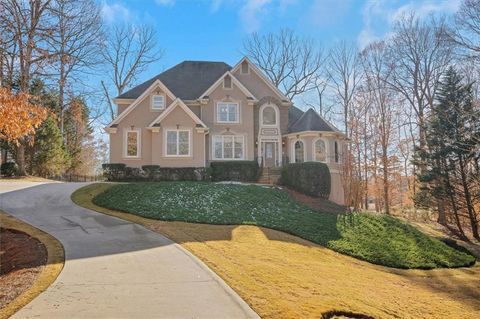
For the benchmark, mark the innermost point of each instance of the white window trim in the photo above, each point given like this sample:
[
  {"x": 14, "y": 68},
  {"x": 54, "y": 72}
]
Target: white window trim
[
  {"x": 223, "y": 158},
  {"x": 293, "y": 155},
  {"x": 339, "y": 152},
  {"x": 139, "y": 143},
  {"x": 277, "y": 115},
  {"x": 164, "y": 102},
  {"x": 165, "y": 133},
  {"x": 227, "y": 122},
  {"x": 314, "y": 148}
]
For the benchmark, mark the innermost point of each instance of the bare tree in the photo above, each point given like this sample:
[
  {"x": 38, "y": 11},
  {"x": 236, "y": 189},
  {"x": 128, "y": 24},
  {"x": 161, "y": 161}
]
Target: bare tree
[
  {"x": 292, "y": 63},
  {"x": 377, "y": 72},
  {"x": 420, "y": 53},
  {"x": 28, "y": 23},
  {"x": 467, "y": 27},
  {"x": 75, "y": 42},
  {"x": 342, "y": 69},
  {"x": 129, "y": 51}
]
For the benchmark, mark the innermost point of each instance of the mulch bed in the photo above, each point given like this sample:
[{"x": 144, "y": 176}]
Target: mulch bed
[{"x": 22, "y": 258}]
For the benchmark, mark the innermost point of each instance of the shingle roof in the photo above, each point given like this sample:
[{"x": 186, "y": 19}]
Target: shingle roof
[
  {"x": 186, "y": 80},
  {"x": 310, "y": 120}
]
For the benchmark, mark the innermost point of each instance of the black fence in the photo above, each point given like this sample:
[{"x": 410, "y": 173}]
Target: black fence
[{"x": 76, "y": 178}]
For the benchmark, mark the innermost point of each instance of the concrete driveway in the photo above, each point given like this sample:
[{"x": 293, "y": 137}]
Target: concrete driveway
[{"x": 114, "y": 268}]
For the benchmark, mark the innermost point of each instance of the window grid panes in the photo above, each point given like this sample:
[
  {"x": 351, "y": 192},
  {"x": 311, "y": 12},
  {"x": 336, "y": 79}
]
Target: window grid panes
[
  {"x": 269, "y": 116},
  {"x": 299, "y": 152},
  {"x": 228, "y": 147},
  {"x": 158, "y": 102},
  {"x": 227, "y": 112},
  {"x": 178, "y": 143},
  {"x": 132, "y": 144},
  {"x": 320, "y": 151}
]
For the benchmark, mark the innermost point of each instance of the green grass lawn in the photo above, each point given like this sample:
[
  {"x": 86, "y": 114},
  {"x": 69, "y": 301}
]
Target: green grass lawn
[{"x": 378, "y": 239}]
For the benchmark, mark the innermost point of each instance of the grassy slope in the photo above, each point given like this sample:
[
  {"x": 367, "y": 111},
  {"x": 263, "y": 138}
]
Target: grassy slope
[{"x": 377, "y": 239}]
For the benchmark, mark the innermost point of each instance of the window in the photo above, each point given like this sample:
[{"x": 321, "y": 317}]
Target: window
[
  {"x": 320, "y": 151},
  {"x": 177, "y": 143},
  {"x": 132, "y": 143},
  {"x": 158, "y": 102},
  {"x": 337, "y": 157},
  {"x": 227, "y": 112},
  {"x": 299, "y": 152},
  {"x": 269, "y": 116},
  {"x": 244, "y": 67},
  {"x": 227, "y": 82},
  {"x": 228, "y": 147}
]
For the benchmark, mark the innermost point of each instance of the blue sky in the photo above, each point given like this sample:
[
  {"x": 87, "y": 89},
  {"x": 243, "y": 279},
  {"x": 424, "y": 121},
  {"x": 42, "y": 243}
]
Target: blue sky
[{"x": 214, "y": 30}]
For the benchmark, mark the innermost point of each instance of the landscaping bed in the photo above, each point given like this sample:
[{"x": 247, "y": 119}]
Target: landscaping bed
[
  {"x": 377, "y": 239},
  {"x": 22, "y": 259}
]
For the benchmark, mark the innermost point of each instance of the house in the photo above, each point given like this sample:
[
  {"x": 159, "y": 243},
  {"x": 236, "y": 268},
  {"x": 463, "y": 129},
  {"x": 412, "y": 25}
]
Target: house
[{"x": 199, "y": 112}]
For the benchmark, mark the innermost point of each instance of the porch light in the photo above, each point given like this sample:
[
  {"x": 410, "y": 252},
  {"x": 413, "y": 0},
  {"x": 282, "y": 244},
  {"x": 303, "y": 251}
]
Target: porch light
[
  {"x": 178, "y": 126},
  {"x": 132, "y": 127}
]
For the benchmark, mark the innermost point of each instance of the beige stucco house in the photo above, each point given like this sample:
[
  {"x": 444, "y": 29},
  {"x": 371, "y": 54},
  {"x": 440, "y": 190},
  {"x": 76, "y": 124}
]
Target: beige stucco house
[{"x": 199, "y": 112}]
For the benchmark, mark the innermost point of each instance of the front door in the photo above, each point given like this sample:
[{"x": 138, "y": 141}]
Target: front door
[{"x": 269, "y": 154}]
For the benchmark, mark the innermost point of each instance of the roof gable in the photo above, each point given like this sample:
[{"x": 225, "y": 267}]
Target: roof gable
[
  {"x": 145, "y": 93},
  {"x": 171, "y": 107},
  {"x": 262, "y": 76},
  {"x": 235, "y": 81},
  {"x": 186, "y": 80}
]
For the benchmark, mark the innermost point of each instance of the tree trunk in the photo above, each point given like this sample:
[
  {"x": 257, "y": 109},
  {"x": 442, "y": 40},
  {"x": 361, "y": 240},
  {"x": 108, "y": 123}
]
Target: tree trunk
[
  {"x": 21, "y": 159},
  {"x": 468, "y": 199}
]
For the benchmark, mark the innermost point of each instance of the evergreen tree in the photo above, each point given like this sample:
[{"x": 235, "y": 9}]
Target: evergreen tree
[
  {"x": 452, "y": 134},
  {"x": 50, "y": 156}
]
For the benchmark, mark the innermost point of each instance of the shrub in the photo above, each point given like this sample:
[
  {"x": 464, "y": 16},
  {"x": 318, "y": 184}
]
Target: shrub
[
  {"x": 114, "y": 171},
  {"x": 247, "y": 171},
  {"x": 122, "y": 173},
  {"x": 311, "y": 178},
  {"x": 8, "y": 169}
]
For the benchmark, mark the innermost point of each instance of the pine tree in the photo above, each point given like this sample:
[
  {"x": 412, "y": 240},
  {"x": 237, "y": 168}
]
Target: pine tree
[
  {"x": 452, "y": 134},
  {"x": 49, "y": 157}
]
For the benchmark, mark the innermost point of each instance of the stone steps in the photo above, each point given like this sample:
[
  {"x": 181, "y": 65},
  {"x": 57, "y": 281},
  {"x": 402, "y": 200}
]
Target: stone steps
[{"x": 270, "y": 175}]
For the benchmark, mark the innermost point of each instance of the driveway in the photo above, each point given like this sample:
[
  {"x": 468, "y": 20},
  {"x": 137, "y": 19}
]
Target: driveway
[{"x": 115, "y": 268}]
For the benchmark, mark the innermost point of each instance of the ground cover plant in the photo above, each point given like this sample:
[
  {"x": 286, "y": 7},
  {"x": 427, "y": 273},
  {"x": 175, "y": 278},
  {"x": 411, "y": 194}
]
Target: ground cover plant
[{"x": 378, "y": 239}]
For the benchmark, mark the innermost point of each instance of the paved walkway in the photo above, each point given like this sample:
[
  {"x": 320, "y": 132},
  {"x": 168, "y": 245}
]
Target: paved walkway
[{"x": 114, "y": 268}]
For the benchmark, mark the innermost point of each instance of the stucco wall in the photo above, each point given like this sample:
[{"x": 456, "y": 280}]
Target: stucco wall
[
  {"x": 139, "y": 118},
  {"x": 244, "y": 127},
  {"x": 336, "y": 192}
]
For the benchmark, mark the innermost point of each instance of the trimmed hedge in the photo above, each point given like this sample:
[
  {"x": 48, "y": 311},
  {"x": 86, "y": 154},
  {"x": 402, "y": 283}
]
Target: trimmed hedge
[
  {"x": 311, "y": 178},
  {"x": 118, "y": 172},
  {"x": 244, "y": 171},
  {"x": 8, "y": 169},
  {"x": 114, "y": 171}
]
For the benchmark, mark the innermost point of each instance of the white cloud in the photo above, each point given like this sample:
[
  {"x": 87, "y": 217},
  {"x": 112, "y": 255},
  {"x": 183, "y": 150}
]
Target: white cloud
[
  {"x": 113, "y": 12},
  {"x": 328, "y": 12},
  {"x": 165, "y": 2},
  {"x": 250, "y": 14},
  {"x": 380, "y": 15}
]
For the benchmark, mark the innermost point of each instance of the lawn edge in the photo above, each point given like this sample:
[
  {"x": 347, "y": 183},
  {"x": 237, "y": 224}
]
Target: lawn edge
[
  {"x": 53, "y": 266},
  {"x": 144, "y": 222}
]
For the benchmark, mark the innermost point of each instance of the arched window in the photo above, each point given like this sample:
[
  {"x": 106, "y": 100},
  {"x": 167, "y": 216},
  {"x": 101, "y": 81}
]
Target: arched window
[
  {"x": 337, "y": 157},
  {"x": 269, "y": 116},
  {"x": 299, "y": 152},
  {"x": 320, "y": 151}
]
